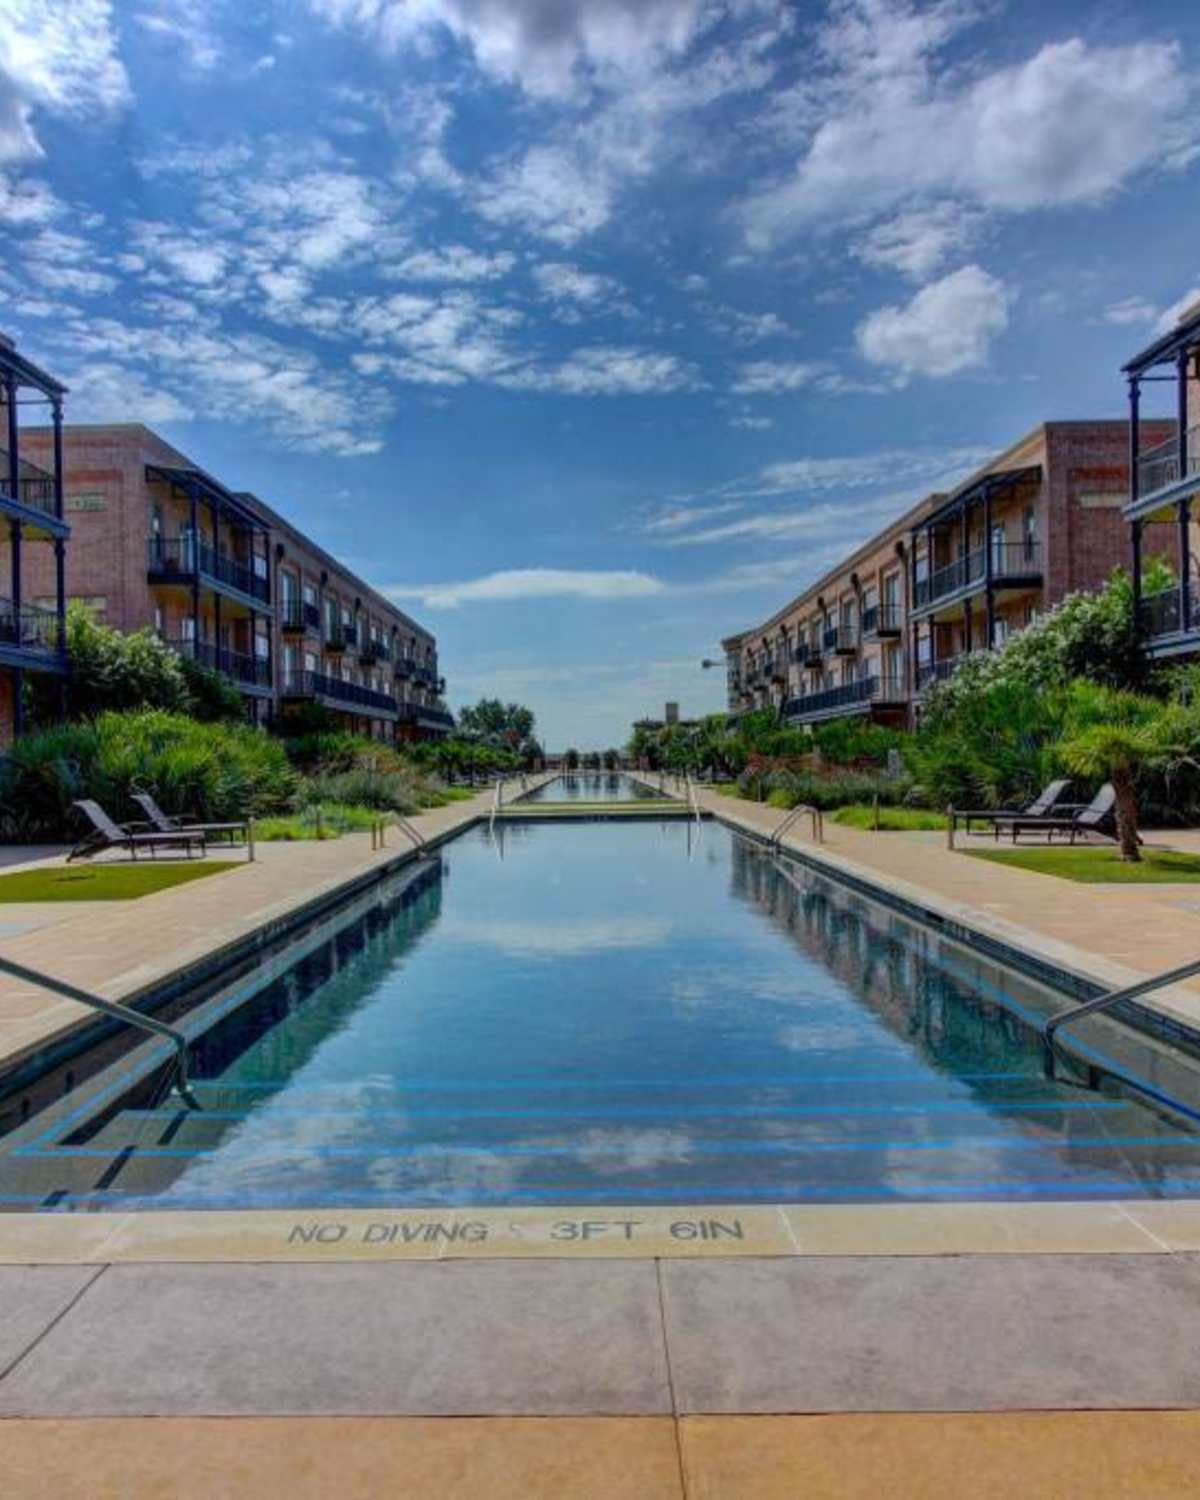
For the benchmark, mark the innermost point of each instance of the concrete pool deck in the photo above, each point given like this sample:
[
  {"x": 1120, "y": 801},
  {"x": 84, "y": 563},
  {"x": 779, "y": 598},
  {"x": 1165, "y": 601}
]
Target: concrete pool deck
[{"x": 980, "y": 1349}]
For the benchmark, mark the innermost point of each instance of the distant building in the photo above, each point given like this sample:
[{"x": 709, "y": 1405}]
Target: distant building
[
  {"x": 225, "y": 579},
  {"x": 956, "y": 574}
]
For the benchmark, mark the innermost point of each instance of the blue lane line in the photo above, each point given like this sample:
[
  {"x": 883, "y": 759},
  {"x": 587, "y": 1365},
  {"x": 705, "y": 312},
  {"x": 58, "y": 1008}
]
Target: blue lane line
[
  {"x": 698, "y": 1194},
  {"x": 672, "y": 1111},
  {"x": 280, "y": 1149},
  {"x": 750, "y": 1080}
]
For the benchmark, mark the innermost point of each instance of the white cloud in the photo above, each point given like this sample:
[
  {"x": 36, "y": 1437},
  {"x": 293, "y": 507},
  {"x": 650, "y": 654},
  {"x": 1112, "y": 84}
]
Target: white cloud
[
  {"x": 550, "y": 48},
  {"x": 1130, "y": 310},
  {"x": 24, "y": 201},
  {"x": 917, "y": 242},
  {"x": 946, "y": 328},
  {"x": 770, "y": 377},
  {"x": 861, "y": 470},
  {"x": 185, "y": 25},
  {"x": 551, "y": 191},
  {"x": 57, "y": 55},
  {"x": 533, "y": 583},
  {"x": 1071, "y": 124},
  {"x": 750, "y": 422},
  {"x": 454, "y": 263},
  {"x": 567, "y": 283},
  {"x": 676, "y": 517},
  {"x": 608, "y": 371}
]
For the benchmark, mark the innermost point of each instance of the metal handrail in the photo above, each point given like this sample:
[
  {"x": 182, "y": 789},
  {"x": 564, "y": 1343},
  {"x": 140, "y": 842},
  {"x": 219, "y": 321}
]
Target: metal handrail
[
  {"x": 692, "y": 800},
  {"x": 1114, "y": 997},
  {"x": 803, "y": 808},
  {"x": 406, "y": 827},
  {"x": 118, "y": 1012},
  {"x": 497, "y": 799}
]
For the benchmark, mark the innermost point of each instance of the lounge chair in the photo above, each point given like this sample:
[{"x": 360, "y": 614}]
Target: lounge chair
[
  {"x": 1045, "y": 804},
  {"x": 1098, "y": 816},
  {"x": 106, "y": 834},
  {"x": 162, "y": 822}
]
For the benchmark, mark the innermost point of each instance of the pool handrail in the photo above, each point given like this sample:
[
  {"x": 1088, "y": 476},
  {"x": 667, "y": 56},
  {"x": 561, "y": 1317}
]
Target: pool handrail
[
  {"x": 497, "y": 800},
  {"x": 692, "y": 800},
  {"x": 1114, "y": 997},
  {"x": 797, "y": 812},
  {"x": 118, "y": 1012},
  {"x": 406, "y": 827}
]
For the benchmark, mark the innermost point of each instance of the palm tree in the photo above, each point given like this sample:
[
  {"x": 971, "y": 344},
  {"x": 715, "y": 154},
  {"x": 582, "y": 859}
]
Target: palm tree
[{"x": 1115, "y": 736}]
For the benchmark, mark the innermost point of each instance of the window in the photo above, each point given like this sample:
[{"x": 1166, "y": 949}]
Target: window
[
  {"x": 310, "y": 593},
  {"x": 891, "y": 591},
  {"x": 287, "y": 587},
  {"x": 310, "y": 659},
  {"x": 1029, "y": 530},
  {"x": 998, "y": 547},
  {"x": 158, "y": 620}
]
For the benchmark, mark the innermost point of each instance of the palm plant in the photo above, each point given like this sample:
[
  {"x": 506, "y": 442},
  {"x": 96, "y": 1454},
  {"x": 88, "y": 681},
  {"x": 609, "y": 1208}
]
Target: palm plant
[{"x": 1116, "y": 736}]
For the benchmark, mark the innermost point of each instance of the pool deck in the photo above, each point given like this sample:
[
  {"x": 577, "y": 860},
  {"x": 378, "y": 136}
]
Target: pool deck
[{"x": 1047, "y": 1350}]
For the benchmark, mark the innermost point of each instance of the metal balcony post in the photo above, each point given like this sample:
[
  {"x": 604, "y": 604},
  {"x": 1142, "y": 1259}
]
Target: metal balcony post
[
  {"x": 1181, "y": 400},
  {"x": 57, "y": 417},
  {"x": 1135, "y": 437},
  {"x": 1136, "y": 544},
  {"x": 1185, "y": 580},
  {"x": 989, "y": 569}
]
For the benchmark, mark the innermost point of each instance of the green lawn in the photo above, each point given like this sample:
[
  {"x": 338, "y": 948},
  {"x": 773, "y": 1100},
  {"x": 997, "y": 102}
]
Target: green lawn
[
  {"x": 1096, "y": 866},
  {"x": 891, "y": 819},
  {"x": 108, "y": 882}
]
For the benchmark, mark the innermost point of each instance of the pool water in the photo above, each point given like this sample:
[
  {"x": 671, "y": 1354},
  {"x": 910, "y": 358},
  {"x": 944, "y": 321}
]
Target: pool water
[
  {"x": 593, "y": 786},
  {"x": 617, "y": 1014}
]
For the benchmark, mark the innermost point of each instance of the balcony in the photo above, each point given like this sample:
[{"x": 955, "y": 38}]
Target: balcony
[
  {"x": 180, "y": 559},
  {"x": 424, "y": 716},
  {"x": 35, "y": 488},
  {"x": 1012, "y": 563},
  {"x": 29, "y": 637},
  {"x": 842, "y": 640},
  {"x": 405, "y": 667},
  {"x": 851, "y": 697},
  {"x": 1164, "y": 623},
  {"x": 882, "y": 621},
  {"x": 252, "y": 672},
  {"x": 334, "y": 693},
  {"x": 1163, "y": 466},
  {"x": 808, "y": 654},
  {"x": 931, "y": 672},
  {"x": 335, "y": 640},
  {"x": 298, "y": 618},
  {"x": 374, "y": 650},
  {"x": 427, "y": 675}
]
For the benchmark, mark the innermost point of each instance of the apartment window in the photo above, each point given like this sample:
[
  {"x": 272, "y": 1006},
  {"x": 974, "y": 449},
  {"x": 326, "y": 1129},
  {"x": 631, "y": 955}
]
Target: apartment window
[
  {"x": 310, "y": 660},
  {"x": 1029, "y": 530},
  {"x": 847, "y": 621},
  {"x": 188, "y": 628},
  {"x": 260, "y": 564},
  {"x": 287, "y": 586},
  {"x": 891, "y": 591},
  {"x": 310, "y": 593},
  {"x": 262, "y": 647},
  {"x": 998, "y": 547}
]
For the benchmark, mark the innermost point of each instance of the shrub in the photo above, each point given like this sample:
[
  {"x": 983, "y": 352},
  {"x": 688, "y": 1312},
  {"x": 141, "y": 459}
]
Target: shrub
[{"x": 214, "y": 771}]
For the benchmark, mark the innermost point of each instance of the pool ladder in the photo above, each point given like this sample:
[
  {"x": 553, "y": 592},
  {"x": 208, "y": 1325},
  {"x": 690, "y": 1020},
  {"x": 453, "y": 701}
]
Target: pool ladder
[
  {"x": 1114, "y": 997},
  {"x": 178, "y": 1075},
  {"x": 805, "y": 809}
]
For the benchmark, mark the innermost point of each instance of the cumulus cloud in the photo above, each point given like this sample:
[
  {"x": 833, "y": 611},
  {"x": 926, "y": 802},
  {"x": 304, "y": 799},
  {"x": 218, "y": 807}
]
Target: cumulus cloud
[
  {"x": 917, "y": 242},
  {"x": 567, "y": 283},
  {"x": 608, "y": 371},
  {"x": 56, "y": 55},
  {"x": 549, "y": 48},
  {"x": 1130, "y": 310},
  {"x": 533, "y": 583},
  {"x": 771, "y": 377},
  {"x": 947, "y": 327},
  {"x": 454, "y": 263},
  {"x": 1071, "y": 124}
]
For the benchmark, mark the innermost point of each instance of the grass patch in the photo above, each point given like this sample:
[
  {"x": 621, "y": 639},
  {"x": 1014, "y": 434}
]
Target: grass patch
[
  {"x": 891, "y": 819},
  {"x": 1095, "y": 866},
  {"x": 328, "y": 820},
  {"x": 115, "y": 882}
]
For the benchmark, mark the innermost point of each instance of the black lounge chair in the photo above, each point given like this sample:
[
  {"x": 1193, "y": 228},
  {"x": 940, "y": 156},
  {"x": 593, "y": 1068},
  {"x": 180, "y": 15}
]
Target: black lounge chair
[
  {"x": 106, "y": 834},
  {"x": 1045, "y": 804},
  {"x": 1098, "y": 816},
  {"x": 162, "y": 822}
]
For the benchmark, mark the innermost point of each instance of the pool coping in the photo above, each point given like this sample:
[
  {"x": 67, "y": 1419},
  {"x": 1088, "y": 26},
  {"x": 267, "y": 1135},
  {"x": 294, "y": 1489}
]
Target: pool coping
[
  {"x": 1152, "y": 1226},
  {"x": 722, "y": 1231}
]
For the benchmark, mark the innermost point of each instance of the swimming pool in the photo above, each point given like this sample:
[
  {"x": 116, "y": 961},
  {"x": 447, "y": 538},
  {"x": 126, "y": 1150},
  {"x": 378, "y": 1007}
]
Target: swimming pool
[
  {"x": 614, "y": 1014},
  {"x": 593, "y": 786}
]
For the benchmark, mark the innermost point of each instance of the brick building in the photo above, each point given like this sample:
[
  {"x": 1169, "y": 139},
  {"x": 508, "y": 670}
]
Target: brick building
[
  {"x": 34, "y": 537},
  {"x": 958, "y": 573},
  {"x": 1164, "y": 481},
  {"x": 222, "y": 577}
]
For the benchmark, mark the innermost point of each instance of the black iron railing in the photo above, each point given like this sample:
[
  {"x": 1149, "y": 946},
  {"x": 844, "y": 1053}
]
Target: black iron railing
[
  {"x": 296, "y": 615},
  {"x": 849, "y": 695},
  {"x": 335, "y": 639},
  {"x": 1163, "y": 465},
  {"x": 425, "y": 716},
  {"x": 373, "y": 650},
  {"x": 341, "y": 694},
  {"x": 882, "y": 619},
  {"x": 929, "y": 672},
  {"x": 254, "y": 671},
  {"x": 405, "y": 666},
  {"x": 35, "y": 488},
  {"x": 30, "y": 628},
  {"x": 1163, "y": 613},
  {"x": 1015, "y": 559},
  {"x": 167, "y": 556}
]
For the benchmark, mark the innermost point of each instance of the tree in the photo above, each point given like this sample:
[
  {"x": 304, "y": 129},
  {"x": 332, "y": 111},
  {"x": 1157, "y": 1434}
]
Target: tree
[
  {"x": 497, "y": 723},
  {"x": 571, "y": 760},
  {"x": 1116, "y": 736}
]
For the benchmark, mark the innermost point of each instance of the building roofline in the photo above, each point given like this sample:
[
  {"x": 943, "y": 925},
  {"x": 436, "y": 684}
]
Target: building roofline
[
  {"x": 1184, "y": 335},
  {"x": 32, "y": 374},
  {"x": 894, "y": 531},
  {"x": 273, "y": 517}
]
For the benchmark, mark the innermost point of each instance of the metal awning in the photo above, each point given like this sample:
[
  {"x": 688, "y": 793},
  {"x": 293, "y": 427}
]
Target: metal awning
[
  {"x": 27, "y": 372},
  {"x": 1165, "y": 349},
  {"x": 996, "y": 480},
  {"x": 209, "y": 487}
]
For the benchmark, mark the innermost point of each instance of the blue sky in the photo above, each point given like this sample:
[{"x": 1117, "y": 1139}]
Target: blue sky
[{"x": 591, "y": 330}]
